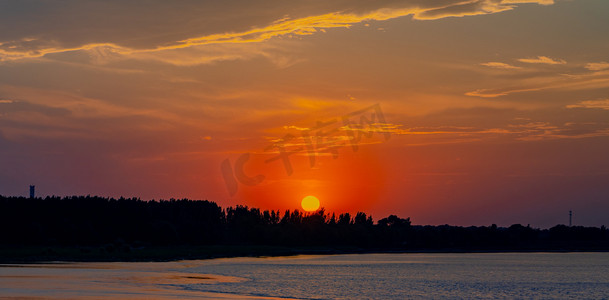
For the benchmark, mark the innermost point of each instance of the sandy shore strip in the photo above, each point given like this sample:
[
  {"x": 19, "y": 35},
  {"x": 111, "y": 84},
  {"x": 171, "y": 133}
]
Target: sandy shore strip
[{"x": 116, "y": 280}]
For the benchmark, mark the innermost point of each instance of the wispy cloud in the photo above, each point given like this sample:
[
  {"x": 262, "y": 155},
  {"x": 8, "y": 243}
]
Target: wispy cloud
[
  {"x": 576, "y": 80},
  {"x": 602, "y": 104},
  {"x": 285, "y": 27},
  {"x": 543, "y": 60},
  {"x": 493, "y": 93},
  {"x": 597, "y": 66},
  {"x": 499, "y": 65},
  {"x": 486, "y": 93}
]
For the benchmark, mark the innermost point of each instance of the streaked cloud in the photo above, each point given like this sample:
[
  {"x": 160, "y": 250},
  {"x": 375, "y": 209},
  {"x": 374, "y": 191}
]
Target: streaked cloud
[
  {"x": 602, "y": 104},
  {"x": 462, "y": 130},
  {"x": 597, "y": 66},
  {"x": 101, "y": 51},
  {"x": 493, "y": 93},
  {"x": 500, "y": 65},
  {"x": 486, "y": 93},
  {"x": 564, "y": 80},
  {"x": 543, "y": 60}
]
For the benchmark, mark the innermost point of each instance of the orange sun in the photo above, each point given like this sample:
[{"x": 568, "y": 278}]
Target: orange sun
[{"x": 310, "y": 203}]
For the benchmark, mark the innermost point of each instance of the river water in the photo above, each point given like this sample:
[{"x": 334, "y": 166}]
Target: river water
[{"x": 353, "y": 276}]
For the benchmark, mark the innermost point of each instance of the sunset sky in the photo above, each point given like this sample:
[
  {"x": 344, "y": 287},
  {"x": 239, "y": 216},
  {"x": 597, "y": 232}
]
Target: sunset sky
[{"x": 474, "y": 111}]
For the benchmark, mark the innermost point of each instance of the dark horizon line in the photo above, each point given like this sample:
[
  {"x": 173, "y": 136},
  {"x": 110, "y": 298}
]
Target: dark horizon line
[{"x": 288, "y": 210}]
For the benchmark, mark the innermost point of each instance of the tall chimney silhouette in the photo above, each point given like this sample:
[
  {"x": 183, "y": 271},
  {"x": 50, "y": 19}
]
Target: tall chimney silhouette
[
  {"x": 570, "y": 218},
  {"x": 32, "y": 191}
]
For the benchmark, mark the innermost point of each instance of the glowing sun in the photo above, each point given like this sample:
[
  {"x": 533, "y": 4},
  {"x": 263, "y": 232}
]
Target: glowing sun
[{"x": 310, "y": 203}]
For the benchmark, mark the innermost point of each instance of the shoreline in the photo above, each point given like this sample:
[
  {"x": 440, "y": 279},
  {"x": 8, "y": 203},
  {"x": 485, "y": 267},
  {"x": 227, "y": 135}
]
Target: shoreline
[{"x": 110, "y": 253}]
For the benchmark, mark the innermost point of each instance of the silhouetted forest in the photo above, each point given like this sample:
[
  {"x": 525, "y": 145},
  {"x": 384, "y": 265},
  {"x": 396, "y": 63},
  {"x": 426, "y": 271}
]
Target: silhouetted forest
[{"x": 132, "y": 223}]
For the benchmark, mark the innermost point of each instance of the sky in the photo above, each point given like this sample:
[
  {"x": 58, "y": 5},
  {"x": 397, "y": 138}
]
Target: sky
[{"x": 462, "y": 112}]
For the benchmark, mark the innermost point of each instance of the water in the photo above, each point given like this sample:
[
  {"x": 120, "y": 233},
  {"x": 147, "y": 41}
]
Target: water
[{"x": 358, "y": 276}]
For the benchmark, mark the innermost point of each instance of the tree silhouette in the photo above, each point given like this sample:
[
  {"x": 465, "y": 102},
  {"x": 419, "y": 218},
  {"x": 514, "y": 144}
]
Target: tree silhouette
[{"x": 127, "y": 223}]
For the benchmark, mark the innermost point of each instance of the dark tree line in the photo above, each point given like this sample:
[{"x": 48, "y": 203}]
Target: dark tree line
[{"x": 91, "y": 221}]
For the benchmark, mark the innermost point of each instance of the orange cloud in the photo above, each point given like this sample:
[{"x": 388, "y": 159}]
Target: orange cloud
[
  {"x": 602, "y": 104},
  {"x": 561, "y": 81},
  {"x": 597, "y": 66},
  {"x": 283, "y": 27},
  {"x": 543, "y": 60},
  {"x": 499, "y": 65}
]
